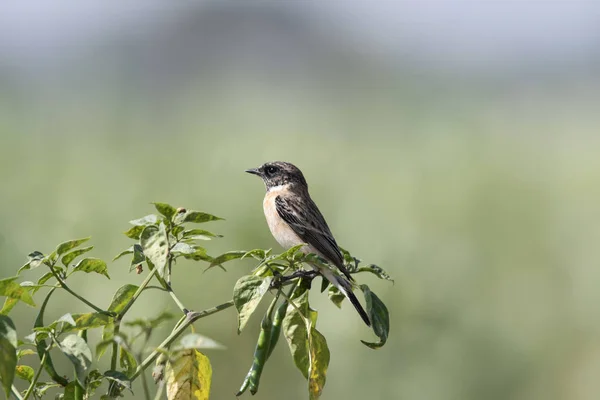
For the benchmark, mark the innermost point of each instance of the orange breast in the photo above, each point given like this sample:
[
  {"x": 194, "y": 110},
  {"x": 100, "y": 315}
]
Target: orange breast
[{"x": 280, "y": 230}]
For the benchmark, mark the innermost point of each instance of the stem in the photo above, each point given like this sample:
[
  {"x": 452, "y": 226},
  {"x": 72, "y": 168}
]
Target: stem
[
  {"x": 161, "y": 387},
  {"x": 15, "y": 392},
  {"x": 170, "y": 289},
  {"x": 136, "y": 294},
  {"x": 68, "y": 289},
  {"x": 115, "y": 347},
  {"x": 145, "y": 386},
  {"x": 190, "y": 319},
  {"x": 35, "y": 378}
]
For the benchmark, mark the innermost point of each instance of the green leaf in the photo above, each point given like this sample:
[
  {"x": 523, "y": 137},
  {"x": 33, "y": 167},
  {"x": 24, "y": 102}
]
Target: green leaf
[
  {"x": 69, "y": 257},
  {"x": 41, "y": 345},
  {"x": 24, "y": 352},
  {"x": 120, "y": 378},
  {"x": 41, "y": 388},
  {"x": 377, "y": 271},
  {"x": 295, "y": 332},
  {"x": 200, "y": 234},
  {"x": 138, "y": 257},
  {"x": 291, "y": 252},
  {"x": 78, "y": 352},
  {"x": 94, "y": 380},
  {"x": 25, "y": 372},
  {"x": 134, "y": 232},
  {"x": 189, "y": 376},
  {"x": 8, "y": 355},
  {"x": 122, "y": 297},
  {"x": 127, "y": 362},
  {"x": 107, "y": 339},
  {"x": 230, "y": 255},
  {"x": 319, "y": 361},
  {"x": 165, "y": 209},
  {"x": 8, "y": 352},
  {"x": 335, "y": 296},
  {"x": 10, "y": 288},
  {"x": 35, "y": 260},
  {"x": 145, "y": 323},
  {"x": 379, "y": 316},
  {"x": 71, "y": 244},
  {"x": 9, "y": 303},
  {"x": 77, "y": 322},
  {"x": 247, "y": 294},
  {"x": 123, "y": 253},
  {"x": 257, "y": 254},
  {"x": 69, "y": 393},
  {"x": 194, "y": 216},
  {"x": 49, "y": 275},
  {"x": 307, "y": 345},
  {"x": 92, "y": 265},
  {"x": 68, "y": 318},
  {"x": 183, "y": 248},
  {"x": 155, "y": 244},
  {"x": 199, "y": 254},
  {"x": 8, "y": 330},
  {"x": 196, "y": 341},
  {"x": 145, "y": 221},
  {"x": 348, "y": 259}
]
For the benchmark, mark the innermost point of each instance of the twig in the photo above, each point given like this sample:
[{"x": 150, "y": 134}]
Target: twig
[
  {"x": 189, "y": 320},
  {"x": 68, "y": 289},
  {"x": 36, "y": 377}
]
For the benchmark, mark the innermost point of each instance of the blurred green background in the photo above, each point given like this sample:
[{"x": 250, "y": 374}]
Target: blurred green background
[{"x": 453, "y": 143}]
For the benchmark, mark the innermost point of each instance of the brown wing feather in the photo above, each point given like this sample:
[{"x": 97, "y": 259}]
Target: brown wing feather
[{"x": 305, "y": 219}]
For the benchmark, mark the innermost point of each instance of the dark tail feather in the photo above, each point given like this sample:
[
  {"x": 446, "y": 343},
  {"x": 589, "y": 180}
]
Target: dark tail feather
[
  {"x": 359, "y": 308},
  {"x": 346, "y": 288}
]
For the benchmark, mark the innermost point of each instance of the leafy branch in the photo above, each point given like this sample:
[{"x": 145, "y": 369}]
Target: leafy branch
[{"x": 179, "y": 366}]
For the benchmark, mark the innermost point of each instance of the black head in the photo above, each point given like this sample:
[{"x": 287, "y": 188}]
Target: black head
[{"x": 279, "y": 173}]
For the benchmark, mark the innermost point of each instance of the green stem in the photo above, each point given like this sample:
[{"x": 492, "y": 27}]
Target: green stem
[
  {"x": 145, "y": 387},
  {"x": 115, "y": 346},
  {"x": 15, "y": 392},
  {"x": 137, "y": 294},
  {"x": 170, "y": 289},
  {"x": 35, "y": 378},
  {"x": 68, "y": 289},
  {"x": 159, "y": 391},
  {"x": 190, "y": 319}
]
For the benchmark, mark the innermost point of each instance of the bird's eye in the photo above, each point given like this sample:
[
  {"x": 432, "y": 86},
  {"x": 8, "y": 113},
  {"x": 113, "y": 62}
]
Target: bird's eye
[{"x": 270, "y": 170}]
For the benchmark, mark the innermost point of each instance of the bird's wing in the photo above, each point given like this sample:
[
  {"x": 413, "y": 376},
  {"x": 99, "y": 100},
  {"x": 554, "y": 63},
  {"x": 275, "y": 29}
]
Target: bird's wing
[{"x": 308, "y": 223}]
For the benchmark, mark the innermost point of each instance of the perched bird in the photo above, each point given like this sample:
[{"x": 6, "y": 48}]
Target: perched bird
[{"x": 294, "y": 218}]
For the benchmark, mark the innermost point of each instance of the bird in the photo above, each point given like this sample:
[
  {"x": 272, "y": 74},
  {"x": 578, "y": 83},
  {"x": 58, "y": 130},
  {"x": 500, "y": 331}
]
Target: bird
[{"x": 294, "y": 219}]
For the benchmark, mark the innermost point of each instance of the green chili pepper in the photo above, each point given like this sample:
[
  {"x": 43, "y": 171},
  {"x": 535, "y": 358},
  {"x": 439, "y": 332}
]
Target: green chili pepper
[{"x": 42, "y": 346}]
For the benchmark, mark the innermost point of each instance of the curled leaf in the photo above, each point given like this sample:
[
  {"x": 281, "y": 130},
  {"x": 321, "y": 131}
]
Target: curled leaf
[
  {"x": 375, "y": 270},
  {"x": 379, "y": 316}
]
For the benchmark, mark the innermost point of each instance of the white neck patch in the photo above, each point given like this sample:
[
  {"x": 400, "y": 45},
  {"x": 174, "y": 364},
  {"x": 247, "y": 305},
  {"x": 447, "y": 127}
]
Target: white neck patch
[{"x": 278, "y": 188}]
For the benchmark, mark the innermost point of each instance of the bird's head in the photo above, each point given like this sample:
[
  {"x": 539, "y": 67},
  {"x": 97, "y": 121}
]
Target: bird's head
[{"x": 279, "y": 173}]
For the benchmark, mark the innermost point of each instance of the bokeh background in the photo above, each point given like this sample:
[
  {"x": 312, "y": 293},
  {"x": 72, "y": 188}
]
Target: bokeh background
[{"x": 454, "y": 143}]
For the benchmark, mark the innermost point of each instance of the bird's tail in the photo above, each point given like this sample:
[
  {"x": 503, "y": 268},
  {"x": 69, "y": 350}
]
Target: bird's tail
[{"x": 346, "y": 288}]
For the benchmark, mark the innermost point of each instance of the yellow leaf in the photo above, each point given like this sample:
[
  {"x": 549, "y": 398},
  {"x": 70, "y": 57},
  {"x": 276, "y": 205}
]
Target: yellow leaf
[{"x": 188, "y": 376}]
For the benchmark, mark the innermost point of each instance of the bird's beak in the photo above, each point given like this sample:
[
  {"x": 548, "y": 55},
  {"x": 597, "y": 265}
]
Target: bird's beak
[{"x": 253, "y": 171}]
